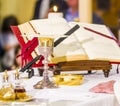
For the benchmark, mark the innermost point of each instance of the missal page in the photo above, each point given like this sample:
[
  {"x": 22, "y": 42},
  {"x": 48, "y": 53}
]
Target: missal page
[
  {"x": 69, "y": 50},
  {"x": 57, "y": 26},
  {"x": 80, "y": 34},
  {"x": 26, "y": 29},
  {"x": 101, "y": 47},
  {"x": 97, "y": 27},
  {"x": 96, "y": 46},
  {"x": 102, "y": 51}
]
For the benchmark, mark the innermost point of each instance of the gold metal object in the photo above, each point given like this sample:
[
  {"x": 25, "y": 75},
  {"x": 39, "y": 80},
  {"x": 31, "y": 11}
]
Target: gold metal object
[
  {"x": 46, "y": 42},
  {"x": 10, "y": 94},
  {"x": 5, "y": 76},
  {"x": 68, "y": 79},
  {"x": 46, "y": 45},
  {"x": 7, "y": 91},
  {"x": 25, "y": 99},
  {"x": 17, "y": 74}
]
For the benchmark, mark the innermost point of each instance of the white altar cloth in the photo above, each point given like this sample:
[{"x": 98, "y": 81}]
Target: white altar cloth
[{"x": 74, "y": 95}]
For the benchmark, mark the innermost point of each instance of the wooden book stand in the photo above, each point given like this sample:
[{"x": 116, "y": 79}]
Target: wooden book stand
[{"x": 82, "y": 65}]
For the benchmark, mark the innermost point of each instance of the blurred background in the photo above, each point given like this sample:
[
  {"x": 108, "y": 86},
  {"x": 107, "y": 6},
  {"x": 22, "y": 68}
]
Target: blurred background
[{"x": 14, "y": 12}]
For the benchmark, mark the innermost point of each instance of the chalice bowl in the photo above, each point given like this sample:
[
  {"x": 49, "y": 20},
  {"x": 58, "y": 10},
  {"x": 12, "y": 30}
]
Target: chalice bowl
[{"x": 45, "y": 47}]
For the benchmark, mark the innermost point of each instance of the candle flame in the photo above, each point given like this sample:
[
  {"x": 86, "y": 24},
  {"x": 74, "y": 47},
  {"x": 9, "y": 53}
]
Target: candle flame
[{"x": 55, "y": 8}]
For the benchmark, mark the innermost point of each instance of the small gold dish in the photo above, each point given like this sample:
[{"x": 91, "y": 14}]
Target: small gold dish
[
  {"x": 68, "y": 79},
  {"x": 25, "y": 99}
]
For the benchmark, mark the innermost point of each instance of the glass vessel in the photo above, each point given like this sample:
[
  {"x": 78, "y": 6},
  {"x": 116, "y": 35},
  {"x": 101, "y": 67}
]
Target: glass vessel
[{"x": 46, "y": 49}]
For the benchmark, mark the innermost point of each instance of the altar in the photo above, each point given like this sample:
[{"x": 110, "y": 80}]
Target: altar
[
  {"x": 70, "y": 95},
  {"x": 54, "y": 45}
]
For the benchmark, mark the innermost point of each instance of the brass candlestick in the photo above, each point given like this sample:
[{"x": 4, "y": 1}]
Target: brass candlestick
[{"x": 46, "y": 49}]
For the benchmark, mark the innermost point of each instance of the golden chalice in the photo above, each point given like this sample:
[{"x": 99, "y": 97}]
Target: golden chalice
[{"x": 46, "y": 45}]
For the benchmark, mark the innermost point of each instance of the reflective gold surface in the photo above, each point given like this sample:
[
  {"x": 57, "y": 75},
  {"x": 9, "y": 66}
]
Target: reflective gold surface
[
  {"x": 17, "y": 74},
  {"x": 25, "y": 99},
  {"x": 68, "y": 79},
  {"x": 5, "y": 76},
  {"x": 7, "y": 94},
  {"x": 47, "y": 42},
  {"x": 11, "y": 93}
]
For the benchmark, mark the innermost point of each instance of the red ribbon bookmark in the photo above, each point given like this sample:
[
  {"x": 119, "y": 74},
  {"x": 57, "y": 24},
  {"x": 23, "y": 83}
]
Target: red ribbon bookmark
[{"x": 104, "y": 35}]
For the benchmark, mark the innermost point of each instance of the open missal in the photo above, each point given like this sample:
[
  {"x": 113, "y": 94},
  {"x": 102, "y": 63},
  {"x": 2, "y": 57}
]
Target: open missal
[{"x": 89, "y": 42}]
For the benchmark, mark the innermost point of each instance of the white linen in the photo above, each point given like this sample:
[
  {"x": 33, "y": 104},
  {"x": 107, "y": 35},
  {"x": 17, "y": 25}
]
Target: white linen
[
  {"x": 76, "y": 95},
  {"x": 117, "y": 90}
]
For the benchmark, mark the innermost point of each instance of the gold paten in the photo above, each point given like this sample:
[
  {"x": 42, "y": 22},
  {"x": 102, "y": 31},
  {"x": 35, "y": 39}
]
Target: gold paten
[{"x": 68, "y": 79}]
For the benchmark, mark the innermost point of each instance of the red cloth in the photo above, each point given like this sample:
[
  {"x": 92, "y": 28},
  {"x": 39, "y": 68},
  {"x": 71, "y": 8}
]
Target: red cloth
[
  {"x": 105, "y": 87},
  {"x": 27, "y": 48}
]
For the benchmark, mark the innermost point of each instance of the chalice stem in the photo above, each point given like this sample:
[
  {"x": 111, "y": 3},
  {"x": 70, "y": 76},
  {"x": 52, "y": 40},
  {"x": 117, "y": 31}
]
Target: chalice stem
[{"x": 45, "y": 73}]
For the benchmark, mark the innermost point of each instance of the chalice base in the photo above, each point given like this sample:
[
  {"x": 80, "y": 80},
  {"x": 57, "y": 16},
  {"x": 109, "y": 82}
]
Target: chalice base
[{"x": 45, "y": 83}]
